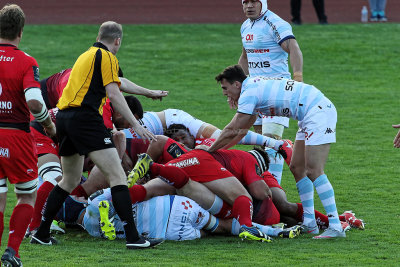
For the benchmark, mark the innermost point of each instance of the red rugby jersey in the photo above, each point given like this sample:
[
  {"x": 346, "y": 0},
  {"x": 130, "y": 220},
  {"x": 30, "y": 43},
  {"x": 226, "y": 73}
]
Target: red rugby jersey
[
  {"x": 55, "y": 85},
  {"x": 18, "y": 71},
  {"x": 240, "y": 163}
]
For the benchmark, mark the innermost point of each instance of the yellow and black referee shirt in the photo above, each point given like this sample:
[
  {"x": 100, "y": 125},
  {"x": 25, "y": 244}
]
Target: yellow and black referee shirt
[{"x": 92, "y": 71}]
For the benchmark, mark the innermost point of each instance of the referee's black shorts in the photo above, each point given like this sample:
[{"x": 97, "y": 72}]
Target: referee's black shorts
[{"x": 81, "y": 131}]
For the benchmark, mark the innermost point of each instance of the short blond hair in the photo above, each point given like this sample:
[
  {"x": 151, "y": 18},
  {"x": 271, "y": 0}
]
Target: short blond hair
[
  {"x": 109, "y": 31},
  {"x": 12, "y": 21}
]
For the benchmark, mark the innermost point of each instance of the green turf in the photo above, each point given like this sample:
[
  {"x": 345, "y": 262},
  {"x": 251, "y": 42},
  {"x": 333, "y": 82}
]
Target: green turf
[{"x": 356, "y": 66}]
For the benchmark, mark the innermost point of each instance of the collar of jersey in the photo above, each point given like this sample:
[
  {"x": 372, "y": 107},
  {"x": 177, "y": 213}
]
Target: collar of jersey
[
  {"x": 4, "y": 44},
  {"x": 260, "y": 17},
  {"x": 100, "y": 45}
]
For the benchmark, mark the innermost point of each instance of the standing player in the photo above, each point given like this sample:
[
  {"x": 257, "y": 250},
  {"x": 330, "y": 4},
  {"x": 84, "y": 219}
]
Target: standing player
[
  {"x": 267, "y": 40},
  {"x": 317, "y": 118},
  {"x": 82, "y": 131},
  {"x": 19, "y": 94}
]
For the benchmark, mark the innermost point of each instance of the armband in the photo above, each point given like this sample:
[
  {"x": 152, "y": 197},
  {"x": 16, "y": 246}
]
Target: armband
[{"x": 34, "y": 93}]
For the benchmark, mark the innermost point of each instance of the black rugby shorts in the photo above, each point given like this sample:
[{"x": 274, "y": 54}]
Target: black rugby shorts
[{"x": 81, "y": 131}]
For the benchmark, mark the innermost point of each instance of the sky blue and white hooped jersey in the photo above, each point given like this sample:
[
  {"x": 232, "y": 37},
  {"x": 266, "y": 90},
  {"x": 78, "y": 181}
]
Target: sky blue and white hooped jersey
[
  {"x": 151, "y": 216},
  {"x": 150, "y": 121},
  {"x": 277, "y": 97},
  {"x": 261, "y": 40},
  {"x": 168, "y": 217}
]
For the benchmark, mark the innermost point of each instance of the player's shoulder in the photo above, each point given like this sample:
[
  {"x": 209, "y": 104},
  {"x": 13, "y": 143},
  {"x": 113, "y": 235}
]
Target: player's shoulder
[{"x": 274, "y": 21}]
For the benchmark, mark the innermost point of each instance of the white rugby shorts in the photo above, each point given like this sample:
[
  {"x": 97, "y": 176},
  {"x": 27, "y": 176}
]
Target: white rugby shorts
[{"x": 319, "y": 124}]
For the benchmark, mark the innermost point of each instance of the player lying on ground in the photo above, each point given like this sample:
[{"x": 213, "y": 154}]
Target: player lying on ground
[{"x": 168, "y": 217}]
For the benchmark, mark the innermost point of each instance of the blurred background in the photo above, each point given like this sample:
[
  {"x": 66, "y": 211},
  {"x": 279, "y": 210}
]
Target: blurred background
[{"x": 188, "y": 11}]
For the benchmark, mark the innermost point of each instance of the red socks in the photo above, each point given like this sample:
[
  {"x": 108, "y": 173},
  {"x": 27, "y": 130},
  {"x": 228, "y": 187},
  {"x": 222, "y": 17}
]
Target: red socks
[
  {"x": 42, "y": 194},
  {"x": 137, "y": 193},
  {"x": 242, "y": 210},
  {"x": 267, "y": 213},
  {"x": 79, "y": 192},
  {"x": 19, "y": 221},
  {"x": 174, "y": 175},
  {"x": 225, "y": 212}
]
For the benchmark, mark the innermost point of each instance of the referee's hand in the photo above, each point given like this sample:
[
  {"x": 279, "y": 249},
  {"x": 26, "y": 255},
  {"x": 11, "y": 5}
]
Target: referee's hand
[{"x": 144, "y": 133}]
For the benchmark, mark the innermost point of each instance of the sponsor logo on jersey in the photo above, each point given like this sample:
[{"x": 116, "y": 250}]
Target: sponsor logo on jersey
[
  {"x": 36, "y": 73},
  {"x": 257, "y": 51},
  {"x": 6, "y": 59},
  {"x": 260, "y": 65},
  {"x": 5, "y": 107},
  {"x": 249, "y": 38},
  {"x": 186, "y": 163},
  {"x": 1, "y": 89},
  {"x": 186, "y": 205},
  {"x": 4, "y": 152},
  {"x": 278, "y": 37},
  {"x": 107, "y": 141},
  {"x": 181, "y": 230},
  {"x": 200, "y": 217}
]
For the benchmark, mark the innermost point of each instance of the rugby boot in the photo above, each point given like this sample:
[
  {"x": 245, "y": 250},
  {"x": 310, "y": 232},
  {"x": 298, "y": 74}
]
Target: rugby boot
[
  {"x": 286, "y": 150},
  {"x": 352, "y": 220},
  {"x": 309, "y": 230},
  {"x": 49, "y": 241},
  {"x": 330, "y": 233},
  {"x": 290, "y": 232},
  {"x": 9, "y": 259},
  {"x": 144, "y": 242},
  {"x": 253, "y": 233},
  {"x": 107, "y": 227},
  {"x": 140, "y": 169},
  {"x": 345, "y": 226}
]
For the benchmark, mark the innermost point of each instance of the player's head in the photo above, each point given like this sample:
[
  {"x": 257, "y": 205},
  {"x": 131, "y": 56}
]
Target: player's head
[
  {"x": 136, "y": 108},
  {"x": 231, "y": 79},
  {"x": 12, "y": 21},
  {"x": 253, "y": 9},
  {"x": 181, "y": 134},
  {"x": 262, "y": 159},
  {"x": 110, "y": 33}
]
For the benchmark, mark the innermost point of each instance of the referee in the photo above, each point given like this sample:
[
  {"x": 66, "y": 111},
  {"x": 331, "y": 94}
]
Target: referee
[{"x": 81, "y": 131}]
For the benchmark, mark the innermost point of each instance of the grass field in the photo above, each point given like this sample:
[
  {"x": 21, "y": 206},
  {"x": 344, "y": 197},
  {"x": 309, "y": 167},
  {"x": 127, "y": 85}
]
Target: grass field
[{"x": 356, "y": 66}]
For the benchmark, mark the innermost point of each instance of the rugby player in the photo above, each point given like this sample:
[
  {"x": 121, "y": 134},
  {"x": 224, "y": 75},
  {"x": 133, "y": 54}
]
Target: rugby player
[
  {"x": 19, "y": 96},
  {"x": 267, "y": 40},
  {"x": 317, "y": 118}
]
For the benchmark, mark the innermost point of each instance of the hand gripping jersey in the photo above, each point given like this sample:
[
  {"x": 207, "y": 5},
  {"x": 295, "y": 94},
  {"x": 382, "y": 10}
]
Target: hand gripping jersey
[
  {"x": 277, "y": 97},
  {"x": 168, "y": 217},
  {"x": 261, "y": 40}
]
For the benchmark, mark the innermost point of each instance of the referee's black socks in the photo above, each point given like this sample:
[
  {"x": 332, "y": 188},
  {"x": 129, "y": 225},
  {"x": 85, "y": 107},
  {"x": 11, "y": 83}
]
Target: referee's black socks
[
  {"x": 53, "y": 204},
  {"x": 123, "y": 206}
]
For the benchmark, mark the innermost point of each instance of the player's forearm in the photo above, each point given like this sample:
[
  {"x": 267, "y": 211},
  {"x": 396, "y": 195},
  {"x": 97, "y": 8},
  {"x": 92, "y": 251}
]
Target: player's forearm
[
  {"x": 243, "y": 62},
  {"x": 296, "y": 61},
  {"x": 130, "y": 87},
  {"x": 119, "y": 104},
  {"x": 228, "y": 138}
]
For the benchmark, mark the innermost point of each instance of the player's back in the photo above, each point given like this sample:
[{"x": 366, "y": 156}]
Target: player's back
[
  {"x": 240, "y": 163},
  {"x": 55, "y": 85},
  {"x": 18, "y": 71}
]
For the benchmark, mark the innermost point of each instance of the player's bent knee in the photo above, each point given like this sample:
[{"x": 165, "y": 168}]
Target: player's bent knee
[
  {"x": 50, "y": 171},
  {"x": 27, "y": 187},
  {"x": 3, "y": 186}
]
